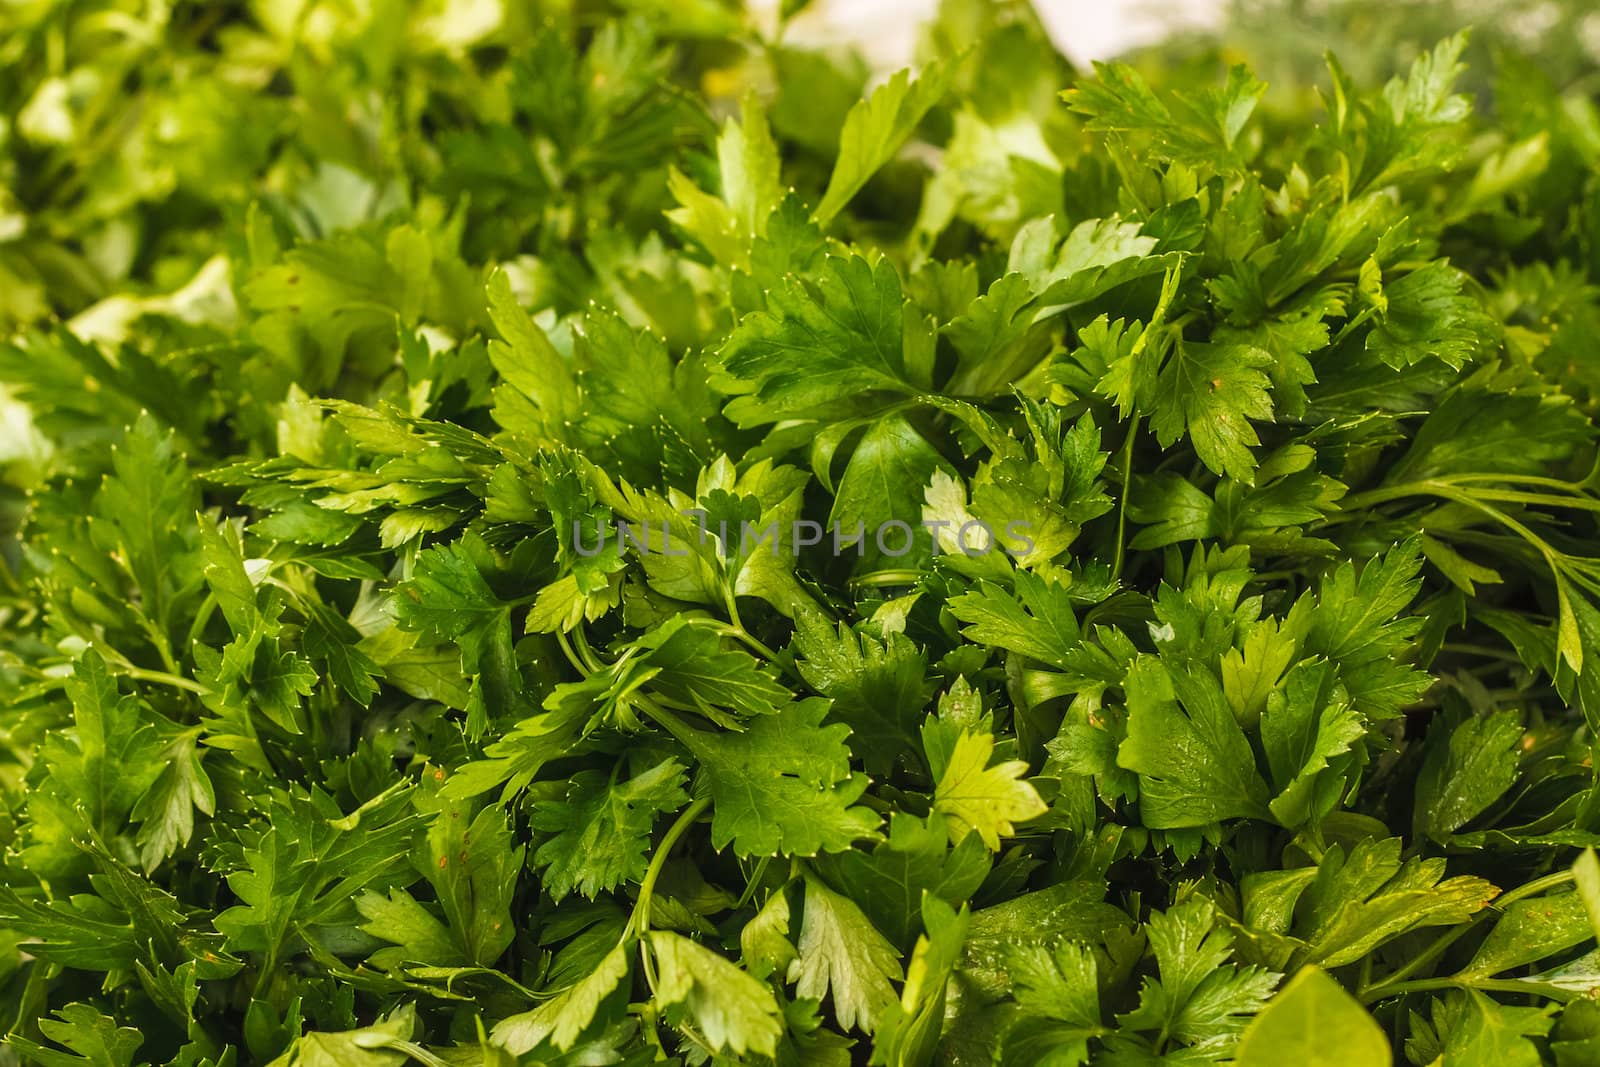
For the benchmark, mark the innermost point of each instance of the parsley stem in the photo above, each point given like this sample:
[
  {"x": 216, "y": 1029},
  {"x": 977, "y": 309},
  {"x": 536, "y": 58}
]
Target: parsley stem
[
  {"x": 640, "y": 921},
  {"x": 736, "y": 630},
  {"x": 202, "y": 616},
  {"x": 581, "y": 639},
  {"x": 1397, "y": 982},
  {"x": 416, "y": 1052},
  {"x": 572, "y": 656},
  {"x": 172, "y": 678},
  {"x": 1466, "y": 498},
  {"x": 1515, "y": 479},
  {"x": 668, "y": 721},
  {"x": 888, "y": 577},
  {"x": 1429, "y": 985},
  {"x": 1531, "y": 889},
  {"x": 177, "y": 681},
  {"x": 753, "y": 882},
  {"x": 1122, "y": 503}
]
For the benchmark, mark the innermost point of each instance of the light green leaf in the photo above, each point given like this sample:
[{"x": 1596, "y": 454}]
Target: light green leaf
[
  {"x": 975, "y": 797},
  {"x": 1313, "y": 1022},
  {"x": 563, "y": 1018},
  {"x": 730, "y": 1010},
  {"x": 882, "y": 483},
  {"x": 843, "y": 953},
  {"x": 876, "y": 128},
  {"x": 1531, "y": 930}
]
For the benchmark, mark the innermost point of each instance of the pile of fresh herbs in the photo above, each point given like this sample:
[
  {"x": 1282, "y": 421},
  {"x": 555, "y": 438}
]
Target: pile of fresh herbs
[{"x": 1109, "y": 575}]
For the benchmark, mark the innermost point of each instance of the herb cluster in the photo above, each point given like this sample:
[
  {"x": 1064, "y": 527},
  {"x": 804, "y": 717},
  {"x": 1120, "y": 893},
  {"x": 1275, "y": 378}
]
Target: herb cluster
[{"x": 340, "y": 335}]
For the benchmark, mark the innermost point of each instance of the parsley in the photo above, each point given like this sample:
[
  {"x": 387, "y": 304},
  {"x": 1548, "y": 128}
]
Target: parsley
[{"x": 597, "y": 534}]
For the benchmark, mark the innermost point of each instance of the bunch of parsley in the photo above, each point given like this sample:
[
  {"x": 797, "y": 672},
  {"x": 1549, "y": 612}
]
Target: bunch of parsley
[{"x": 339, "y": 726}]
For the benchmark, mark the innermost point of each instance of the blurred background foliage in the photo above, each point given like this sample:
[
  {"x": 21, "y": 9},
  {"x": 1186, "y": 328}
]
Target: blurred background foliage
[{"x": 307, "y": 134}]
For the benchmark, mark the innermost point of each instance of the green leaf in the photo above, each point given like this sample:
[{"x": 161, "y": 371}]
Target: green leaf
[
  {"x": 1425, "y": 315},
  {"x": 1060, "y": 983},
  {"x": 883, "y": 483},
  {"x": 875, "y": 129},
  {"x": 1068, "y": 911},
  {"x": 911, "y": 1028},
  {"x": 821, "y": 345},
  {"x": 695, "y": 669},
  {"x": 878, "y": 686},
  {"x": 529, "y": 364},
  {"x": 1530, "y": 930},
  {"x": 369, "y": 1046},
  {"x": 1200, "y": 128},
  {"x": 976, "y": 798},
  {"x": 1304, "y": 729},
  {"x": 1482, "y": 1033},
  {"x": 764, "y": 944},
  {"x": 133, "y": 519},
  {"x": 841, "y": 953},
  {"x": 1313, "y": 1021},
  {"x": 916, "y": 857},
  {"x": 1211, "y": 393},
  {"x": 1200, "y": 997},
  {"x": 1096, "y": 256},
  {"x": 783, "y": 785},
  {"x": 472, "y": 865},
  {"x": 1250, "y": 673},
  {"x": 166, "y": 811},
  {"x": 752, "y": 187},
  {"x": 563, "y": 1018},
  {"x": 729, "y": 1009},
  {"x": 1037, "y": 622},
  {"x": 1361, "y": 900},
  {"x": 1468, "y": 766},
  {"x": 602, "y": 828},
  {"x": 1194, "y": 763},
  {"x": 1586, "y": 875},
  {"x": 95, "y": 1038}
]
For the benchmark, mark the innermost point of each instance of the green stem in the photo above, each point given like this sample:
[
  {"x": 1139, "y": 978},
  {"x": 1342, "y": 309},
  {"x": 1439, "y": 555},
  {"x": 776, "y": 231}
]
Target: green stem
[
  {"x": 639, "y": 923},
  {"x": 1486, "y": 651},
  {"x": 731, "y": 599},
  {"x": 1397, "y": 982},
  {"x": 752, "y": 882},
  {"x": 1446, "y": 491},
  {"x": 1514, "y": 479},
  {"x": 1532, "y": 889},
  {"x": 571, "y": 654},
  {"x": 177, "y": 681},
  {"x": 738, "y": 633},
  {"x": 675, "y": 726},
  {"x": 416, "y": 1052},
  {"x": 1430, "y": 985},
  {"x": 584, "y": 650},
  {"x": 888, "y": 577},
  {"x": 1122, "y": 504},
  {"x": 202, "y": 616},
  {"x": 1423, "y": 959}
]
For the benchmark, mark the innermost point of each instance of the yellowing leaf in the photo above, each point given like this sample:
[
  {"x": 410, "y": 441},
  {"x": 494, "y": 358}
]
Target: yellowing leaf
[{"x": 973, "y": 796}]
